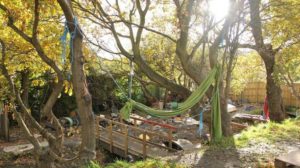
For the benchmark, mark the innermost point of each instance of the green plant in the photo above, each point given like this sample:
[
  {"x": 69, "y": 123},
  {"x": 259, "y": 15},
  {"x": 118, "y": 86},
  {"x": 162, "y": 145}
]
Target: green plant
[
  {"x": 270, "y": 132},
  {"x": 255, "y": 112},
  {"x": 93, "y": 164},
  {"x": 149, "y": 163}
]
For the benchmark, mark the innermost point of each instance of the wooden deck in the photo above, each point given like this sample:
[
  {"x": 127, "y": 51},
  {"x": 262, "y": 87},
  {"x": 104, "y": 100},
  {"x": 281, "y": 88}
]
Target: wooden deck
[{"x": 124, "y": 140}]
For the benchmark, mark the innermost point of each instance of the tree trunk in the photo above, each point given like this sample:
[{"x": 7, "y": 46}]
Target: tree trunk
[
  {"x": 84, "y": 101},
  {"x": 83, "y": 97},
  {"x": 274, "y": 98},
  {"x": 267, "y": 53},
  {"x": 226, "y": 118},
  {"x": 25, "y": 83},
  {"x": 160, "y": 80}
]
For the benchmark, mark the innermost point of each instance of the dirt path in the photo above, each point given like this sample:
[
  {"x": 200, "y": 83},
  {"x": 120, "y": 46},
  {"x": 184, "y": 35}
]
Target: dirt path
[{"x": 248, "y": 157}]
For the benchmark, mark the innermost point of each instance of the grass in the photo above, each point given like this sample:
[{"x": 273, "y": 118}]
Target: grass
[
  {"x": 149, "y": 163},
  {"x": 93, "y": 164},
  {"x": 270, "y": 132},
  {"x": 255, "y": 112},
  {"x": 225, "y": 142},
  {"x": 288, "y": 130}
]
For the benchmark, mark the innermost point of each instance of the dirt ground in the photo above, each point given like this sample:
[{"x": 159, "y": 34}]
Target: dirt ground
[
  {"x": 235, "y": 157},
  {"x": 206, "y": 157},
  {"x": 26, "y": 160},
  {"x": 11, "y": 161}
]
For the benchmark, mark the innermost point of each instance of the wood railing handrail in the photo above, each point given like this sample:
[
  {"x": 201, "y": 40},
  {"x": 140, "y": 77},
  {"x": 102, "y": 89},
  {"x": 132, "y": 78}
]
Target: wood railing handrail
[
  {"x": 124, "y": 133},
  {"x": 138, "y": 139},
  {"x": 155, "y": 123},
  {"x": 135, "y": 128}
]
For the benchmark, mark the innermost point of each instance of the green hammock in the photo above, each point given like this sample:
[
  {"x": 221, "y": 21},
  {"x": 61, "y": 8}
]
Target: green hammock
[{"x": 191, "y": 101}]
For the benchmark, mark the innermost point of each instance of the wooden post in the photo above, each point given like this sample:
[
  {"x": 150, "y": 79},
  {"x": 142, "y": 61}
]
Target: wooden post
[
  {"x": 126, "y": 141},
  {"x": 4, "y": 122},
  {"x": 97, "y": 127},
  {"x": 170, "y": 138},
  {"x": 134, "y": 122},
  {"x": 144, "y": 145},
  {"x": 111, "y": 136}
]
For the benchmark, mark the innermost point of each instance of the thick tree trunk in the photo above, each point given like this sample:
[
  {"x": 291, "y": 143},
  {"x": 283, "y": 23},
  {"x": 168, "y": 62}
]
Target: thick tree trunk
[
  {"x": 226, "y": 119},
  {"x": 213, "y": 56},
  {"x": 267, "y": 53},
  {"x": 274, "y": 98},
  {"x": 83, "y": 97},
  {"x": 84, "y": 101}
]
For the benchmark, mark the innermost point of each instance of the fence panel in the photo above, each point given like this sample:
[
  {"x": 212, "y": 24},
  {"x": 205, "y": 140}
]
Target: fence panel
[{"x": 255, "y": 92}]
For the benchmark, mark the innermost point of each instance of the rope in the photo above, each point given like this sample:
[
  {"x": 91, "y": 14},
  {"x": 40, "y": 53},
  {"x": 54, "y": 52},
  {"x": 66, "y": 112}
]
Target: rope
[
  {"x": 119, "y": 87},
  {"x": 63, "y": 42},
  {"x": 200, "y": 130},
  {"x": 106, "y": 69},
  {"x": 73, "y": 35},
  {"x": 131, "y": 74}
]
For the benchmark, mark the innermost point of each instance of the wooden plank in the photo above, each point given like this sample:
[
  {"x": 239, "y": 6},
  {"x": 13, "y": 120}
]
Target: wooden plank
[
  {"x": 126, "y": 141},
  {"x": 135, "y": 146},
  {"x": 121, "y": 143},
  {"x": 111, "y": 136},
  {"x": 135, "y": 128},
  {"x": 241, "y": 126},
  {"x": 156, "y": 123}
]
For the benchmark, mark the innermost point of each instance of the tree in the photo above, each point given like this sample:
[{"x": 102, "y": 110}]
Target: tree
[
  {"x": 268, "y": 53},
  {"x": 131, "y": 25},
  {"x": 31, "y": 33},
  {"x": 283, "y": 28},
  {"x": 83, "y": 97}
]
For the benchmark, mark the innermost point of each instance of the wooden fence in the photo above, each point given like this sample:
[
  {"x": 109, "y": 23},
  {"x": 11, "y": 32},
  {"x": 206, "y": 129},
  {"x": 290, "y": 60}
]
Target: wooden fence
[{"x": 255, "y": 92}]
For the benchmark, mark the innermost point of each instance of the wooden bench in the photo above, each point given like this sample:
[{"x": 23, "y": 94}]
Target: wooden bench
[{"x": 291, "y": 160}]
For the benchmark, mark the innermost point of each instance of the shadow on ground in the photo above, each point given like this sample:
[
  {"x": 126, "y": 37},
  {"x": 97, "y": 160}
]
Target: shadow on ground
[{"x": 223, "y": 155}]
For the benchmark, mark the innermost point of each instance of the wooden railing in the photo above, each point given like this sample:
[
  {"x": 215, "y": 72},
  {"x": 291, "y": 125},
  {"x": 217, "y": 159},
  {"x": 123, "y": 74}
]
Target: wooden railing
[
  {"x": 128, "y": 131},
  {"x": 169, "y": 128}
]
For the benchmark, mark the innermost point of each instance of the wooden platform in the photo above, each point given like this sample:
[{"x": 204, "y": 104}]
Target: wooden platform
[
  {"x": 249, "y": 117},
  {"x": 124, "y": 140},
  {"x": 291, "y": 160}
]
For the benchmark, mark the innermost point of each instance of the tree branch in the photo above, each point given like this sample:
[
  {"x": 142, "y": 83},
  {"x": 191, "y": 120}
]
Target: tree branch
[
  {"x": 251, "y": 46},
  {"x": 36, "y": 19}
]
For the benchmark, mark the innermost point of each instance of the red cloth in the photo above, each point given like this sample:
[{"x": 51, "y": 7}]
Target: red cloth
[{"x": 266, "y": 109}]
